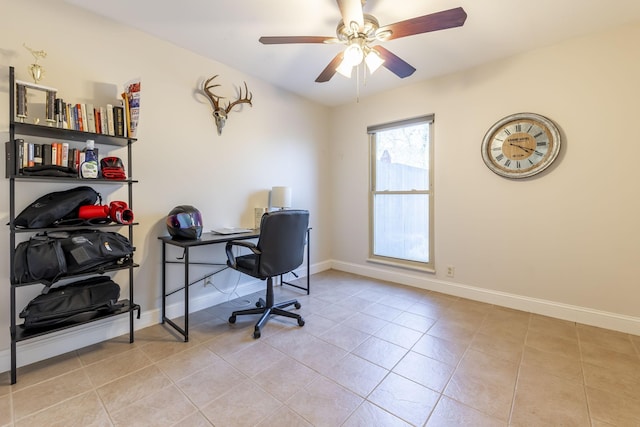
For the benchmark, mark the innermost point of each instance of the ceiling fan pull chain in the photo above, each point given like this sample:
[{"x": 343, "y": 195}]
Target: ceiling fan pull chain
[{"x": 358, "y": 84}]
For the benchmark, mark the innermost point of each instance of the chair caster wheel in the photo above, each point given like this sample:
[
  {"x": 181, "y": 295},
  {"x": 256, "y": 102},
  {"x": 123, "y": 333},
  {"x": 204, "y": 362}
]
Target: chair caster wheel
[
  {"x": 297, "y": 305},
  {"x": 256, "y": 334},
  {"x": 232, "y": 319},
  {"x": 300, "y": 322}
]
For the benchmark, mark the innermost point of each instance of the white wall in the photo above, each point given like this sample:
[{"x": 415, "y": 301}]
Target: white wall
[
  {"x": 178, "y": 158},
  {"x": 564, "y": 243}
]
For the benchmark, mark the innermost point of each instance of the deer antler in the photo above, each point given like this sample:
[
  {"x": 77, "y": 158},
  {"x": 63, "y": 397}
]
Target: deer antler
[
  {"x": 220, "y": 114},
  {"x": 214, "y": 98},
  {"x": 241, "y": 100}
]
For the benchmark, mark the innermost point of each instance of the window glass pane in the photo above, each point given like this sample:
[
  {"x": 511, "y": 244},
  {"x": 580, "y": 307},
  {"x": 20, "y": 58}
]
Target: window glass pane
[
  {"x": 402, "y": 158},
  {"x": 401, "y": 226}
]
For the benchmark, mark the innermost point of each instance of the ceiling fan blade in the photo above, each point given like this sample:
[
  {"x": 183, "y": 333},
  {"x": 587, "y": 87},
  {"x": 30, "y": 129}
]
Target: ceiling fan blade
[
  {"x": 294, "y": 39},
  {"x": 351, "y": 11},
  {"x": 423, "y": 24},
  {"x": 330, "y": 70},
  {"x": 394, "y": 64}
]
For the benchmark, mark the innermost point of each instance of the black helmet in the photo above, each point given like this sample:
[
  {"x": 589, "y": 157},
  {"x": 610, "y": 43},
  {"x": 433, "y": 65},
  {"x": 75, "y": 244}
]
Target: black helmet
[{"x": 184, "y": 222}]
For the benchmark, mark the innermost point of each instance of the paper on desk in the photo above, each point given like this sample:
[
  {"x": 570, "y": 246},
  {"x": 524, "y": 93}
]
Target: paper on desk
[{"x": 231, "y": 230}]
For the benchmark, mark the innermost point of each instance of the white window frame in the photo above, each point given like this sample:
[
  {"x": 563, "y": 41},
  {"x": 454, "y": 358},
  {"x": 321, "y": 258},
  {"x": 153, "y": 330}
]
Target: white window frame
[{"x": 428, "y": 266}]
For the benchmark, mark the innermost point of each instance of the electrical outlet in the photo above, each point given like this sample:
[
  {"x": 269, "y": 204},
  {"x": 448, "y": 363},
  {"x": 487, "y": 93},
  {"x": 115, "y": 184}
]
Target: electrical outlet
[{"x": 451, "y": 271}]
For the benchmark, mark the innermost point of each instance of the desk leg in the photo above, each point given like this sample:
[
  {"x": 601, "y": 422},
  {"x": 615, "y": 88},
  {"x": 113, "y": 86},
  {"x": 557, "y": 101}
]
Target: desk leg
[
  {"x": 308, "y": 261},
  {"x": 186, "y": 294},
  {"x": 308, "y": 288},
  {"x": 164, "y": 281}
]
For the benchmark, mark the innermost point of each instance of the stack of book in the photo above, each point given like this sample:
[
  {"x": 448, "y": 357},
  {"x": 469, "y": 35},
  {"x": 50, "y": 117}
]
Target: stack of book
[
  {"x": 108, "y": 120},
  {"x": 55, "y": 153}
]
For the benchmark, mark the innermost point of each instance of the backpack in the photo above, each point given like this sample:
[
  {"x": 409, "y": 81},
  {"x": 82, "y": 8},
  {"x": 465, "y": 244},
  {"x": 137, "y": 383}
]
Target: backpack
[
  {"x": 73, "y": 303},
  {"x": 56, "y": 206},
  {"x": 48, "y": 257}
]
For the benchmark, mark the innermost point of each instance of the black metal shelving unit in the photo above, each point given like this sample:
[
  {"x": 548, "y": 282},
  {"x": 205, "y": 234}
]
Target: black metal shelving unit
[{"x": 18, "y": 332}]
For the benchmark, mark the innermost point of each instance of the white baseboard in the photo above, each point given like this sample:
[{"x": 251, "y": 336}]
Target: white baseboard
[{"x": 584, "y": 315}]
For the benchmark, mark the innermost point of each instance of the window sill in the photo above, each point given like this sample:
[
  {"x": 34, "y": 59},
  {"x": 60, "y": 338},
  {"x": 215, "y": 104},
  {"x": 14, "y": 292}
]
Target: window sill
[{"x": 400, "y": 264}]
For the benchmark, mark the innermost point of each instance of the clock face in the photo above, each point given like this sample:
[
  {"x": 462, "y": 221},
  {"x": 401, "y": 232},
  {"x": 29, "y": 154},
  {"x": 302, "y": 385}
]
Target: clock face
[{"x": 521, "y": 145}]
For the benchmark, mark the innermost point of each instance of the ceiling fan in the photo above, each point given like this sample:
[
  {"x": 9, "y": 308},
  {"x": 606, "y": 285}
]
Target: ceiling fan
[{"x": 359, "y": 32}]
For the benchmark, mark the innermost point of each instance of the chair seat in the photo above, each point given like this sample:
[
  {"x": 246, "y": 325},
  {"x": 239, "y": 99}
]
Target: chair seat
[{"x": 247, "y": 264}]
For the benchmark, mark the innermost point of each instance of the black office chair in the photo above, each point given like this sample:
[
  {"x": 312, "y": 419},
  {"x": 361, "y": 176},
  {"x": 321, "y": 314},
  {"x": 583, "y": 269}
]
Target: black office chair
[{"x": 280, "y": 249}]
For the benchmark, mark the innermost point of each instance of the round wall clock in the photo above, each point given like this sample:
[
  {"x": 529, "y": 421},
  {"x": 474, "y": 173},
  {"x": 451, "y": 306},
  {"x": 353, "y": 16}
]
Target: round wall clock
[{"x": 521, "y": 145}]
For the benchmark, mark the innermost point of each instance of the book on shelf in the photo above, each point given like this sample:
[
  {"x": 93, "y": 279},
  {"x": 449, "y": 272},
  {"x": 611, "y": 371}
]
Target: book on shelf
[
  {"x": 46, "y": 154},
  {"x": 127, "y": 114},
  {"x": 110, "y": 124},
  {"x": 24, "y": 154},
  {"x": 85, "y": 120},
  {"x": 29, "y": 151},
  {"x": 118, "y": 120},
  {"x": 13, "y": 157},
  {"x": 131, "y": 97},
  {"x": 64, "y": 156},
  {"x": 54, "y": 153},
  {"x": 37, "y": 154},
  {"x": 96, "y": 115},
  {"x": 58, "y": 112},
  {"x": 103, "y": 121},
  {"x": 91, "y": 120},
  {"x": 68, "y": 116},
  {"x": 72, "y": 158},
  {"x": 78, "y": 116},
  {"x": 65, "y": 115}
]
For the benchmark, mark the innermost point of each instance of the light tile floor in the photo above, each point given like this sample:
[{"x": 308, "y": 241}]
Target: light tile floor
[{"x": 371, "y": 353}]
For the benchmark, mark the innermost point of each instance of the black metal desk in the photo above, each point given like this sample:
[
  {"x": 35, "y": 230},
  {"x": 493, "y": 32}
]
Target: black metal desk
[{"x": 206, "y": 239}]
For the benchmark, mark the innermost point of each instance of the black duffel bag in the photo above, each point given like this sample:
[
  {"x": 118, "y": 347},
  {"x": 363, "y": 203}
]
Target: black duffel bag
[
  {"x": 49, "y": 257},
  {"x": 56, "y": 206},
  {"x": 74, "y": 303}
]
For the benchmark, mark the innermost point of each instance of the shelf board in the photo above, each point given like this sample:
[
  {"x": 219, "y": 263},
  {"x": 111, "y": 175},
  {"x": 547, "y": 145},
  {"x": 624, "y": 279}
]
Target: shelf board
[
  {"x": 43, "y": 178},
  {"x": 68, "y": 134},
  {"x": 88, "y": 273},
  {"x": 73, "y": 228},
  {"x": 24, "y": 334}
]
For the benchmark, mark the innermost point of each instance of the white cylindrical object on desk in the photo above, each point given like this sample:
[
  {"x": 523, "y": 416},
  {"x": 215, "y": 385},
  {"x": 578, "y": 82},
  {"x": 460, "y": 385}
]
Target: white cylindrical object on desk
[{"x": 281, "y": 197}]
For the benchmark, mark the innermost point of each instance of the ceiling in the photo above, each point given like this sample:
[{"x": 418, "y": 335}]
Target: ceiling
[{"x": 228, "y": 31}]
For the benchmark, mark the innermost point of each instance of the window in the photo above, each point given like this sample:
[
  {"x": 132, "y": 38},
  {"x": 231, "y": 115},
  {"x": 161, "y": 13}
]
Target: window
[{"x": 401, "y": 196}]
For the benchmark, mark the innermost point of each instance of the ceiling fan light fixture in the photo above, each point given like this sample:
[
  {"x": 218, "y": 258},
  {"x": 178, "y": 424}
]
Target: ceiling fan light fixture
[
  {"x": 345, "y": 69},
  {"x": 373, "y": 60},
  {"x": 353, "y": 54}
]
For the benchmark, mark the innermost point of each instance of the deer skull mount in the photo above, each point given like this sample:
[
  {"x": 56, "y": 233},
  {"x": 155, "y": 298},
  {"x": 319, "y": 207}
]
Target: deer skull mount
[{"x": 220, "y": 113}]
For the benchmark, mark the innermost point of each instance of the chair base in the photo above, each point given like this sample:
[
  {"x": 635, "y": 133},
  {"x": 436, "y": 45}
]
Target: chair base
[{"x": 268, "y": 308}]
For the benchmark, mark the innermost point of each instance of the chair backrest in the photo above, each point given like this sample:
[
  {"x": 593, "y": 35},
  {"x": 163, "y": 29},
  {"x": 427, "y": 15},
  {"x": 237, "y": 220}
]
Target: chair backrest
[{"x": 282, "y": 239}]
